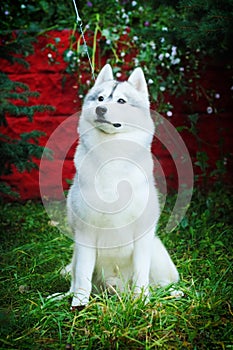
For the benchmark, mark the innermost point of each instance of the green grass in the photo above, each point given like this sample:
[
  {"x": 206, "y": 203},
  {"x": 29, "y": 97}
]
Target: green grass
[{"x": 33, "y": 252}]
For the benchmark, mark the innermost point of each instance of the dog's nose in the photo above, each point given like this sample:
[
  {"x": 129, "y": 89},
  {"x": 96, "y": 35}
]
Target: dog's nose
[{"x": 100, "y": 111}]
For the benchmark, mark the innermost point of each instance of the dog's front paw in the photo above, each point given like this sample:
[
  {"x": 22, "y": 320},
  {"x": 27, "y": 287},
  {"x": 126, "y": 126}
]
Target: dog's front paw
[{"x": 79, "y": 301}]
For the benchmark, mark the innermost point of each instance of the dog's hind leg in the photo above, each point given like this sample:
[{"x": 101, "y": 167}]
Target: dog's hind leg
[{"x": 163, "y": 271}]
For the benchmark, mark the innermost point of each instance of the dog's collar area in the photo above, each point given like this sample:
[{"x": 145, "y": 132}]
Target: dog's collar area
[{"x": 101, "y": 120}]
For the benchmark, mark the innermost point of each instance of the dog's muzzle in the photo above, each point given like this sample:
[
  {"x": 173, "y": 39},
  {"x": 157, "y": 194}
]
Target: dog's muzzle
[{"x": 100, "y": 111}]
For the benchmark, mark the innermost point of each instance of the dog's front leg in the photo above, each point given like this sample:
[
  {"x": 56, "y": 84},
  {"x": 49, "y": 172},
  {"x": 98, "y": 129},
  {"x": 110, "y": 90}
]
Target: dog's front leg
[
  {"x": 82, "y": 270},
  {"x": 141, "y": 265}
]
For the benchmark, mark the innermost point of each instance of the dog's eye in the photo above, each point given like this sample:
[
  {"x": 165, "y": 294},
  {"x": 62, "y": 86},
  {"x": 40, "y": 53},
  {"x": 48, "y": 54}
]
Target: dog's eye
[
  {"x": 121, "y": 100},
  {"x": 100, "y": 98}
]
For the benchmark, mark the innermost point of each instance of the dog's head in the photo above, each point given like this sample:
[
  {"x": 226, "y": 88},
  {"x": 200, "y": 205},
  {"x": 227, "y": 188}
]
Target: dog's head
[{"x": 116, "y": 107}]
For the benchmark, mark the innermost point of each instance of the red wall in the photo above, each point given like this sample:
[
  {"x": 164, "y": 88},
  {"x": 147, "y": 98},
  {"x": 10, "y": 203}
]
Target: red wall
[{"x": 59, "y": 89}]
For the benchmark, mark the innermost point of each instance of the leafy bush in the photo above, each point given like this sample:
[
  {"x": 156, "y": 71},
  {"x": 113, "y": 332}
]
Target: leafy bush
[
  {"x": 196, "y": 24},
  {"x": 19, "y": 153}
]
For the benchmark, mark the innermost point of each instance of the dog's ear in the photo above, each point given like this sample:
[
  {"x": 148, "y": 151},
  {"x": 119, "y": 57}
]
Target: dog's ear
[
  {"x": 104, "y": 75},
  {"x": 137, "y": 79}
]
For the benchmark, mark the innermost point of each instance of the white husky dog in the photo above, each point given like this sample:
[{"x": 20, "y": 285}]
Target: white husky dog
[{"x": 113, "y": 205}]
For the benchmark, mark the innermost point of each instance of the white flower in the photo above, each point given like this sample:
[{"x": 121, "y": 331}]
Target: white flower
[
  {"x": 69, "y": 53},
  {"x": 50, "y": 55},
  {"x": 88, "y": 82},
  {"x": 108, "y": 42},
  {"x": 122, "y": 54},
  {"x": 181, "y": 69},
  {"x": 175, "y": 61},
  {"x": 161, "y": 56},
  {"x": 167, "y": 54},
  {"x": 150, "y": 81},
  {"x": 152, "y": 44},
  {"x": 164, "y": 29},
  {"x": 135, "y": 38},
  {"x": 118, "y": 75},
  {"x": 162, "y": 88},
  {"x": 162, "y": 40},
  {"x": 174, "y": 49},
  {"x": 209, "y": 110},
  {"x": 80, "y": 96},
  {"x": 134, "y": 3},
  {"x": 125, "y": 15},
  {"x": 169, "y": 113},
  {"x": 217, "y": 96}
]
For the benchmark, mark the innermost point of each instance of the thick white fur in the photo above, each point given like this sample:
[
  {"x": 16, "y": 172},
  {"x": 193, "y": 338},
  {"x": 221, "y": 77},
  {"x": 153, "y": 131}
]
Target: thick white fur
[{"x": 113, "y": 206}]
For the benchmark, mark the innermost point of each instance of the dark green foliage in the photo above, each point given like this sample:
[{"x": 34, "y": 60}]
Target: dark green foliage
[
  {"x": 10, "y": 92},
  {"x": 207, "y": 25},
  {"x": 35, "y": 15},
  {"x": 202, "y": 25},
  {"x": 15, "y": 101},
  {"x": 12, "y": 44},
  {"x": 20, "y": 152}
]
